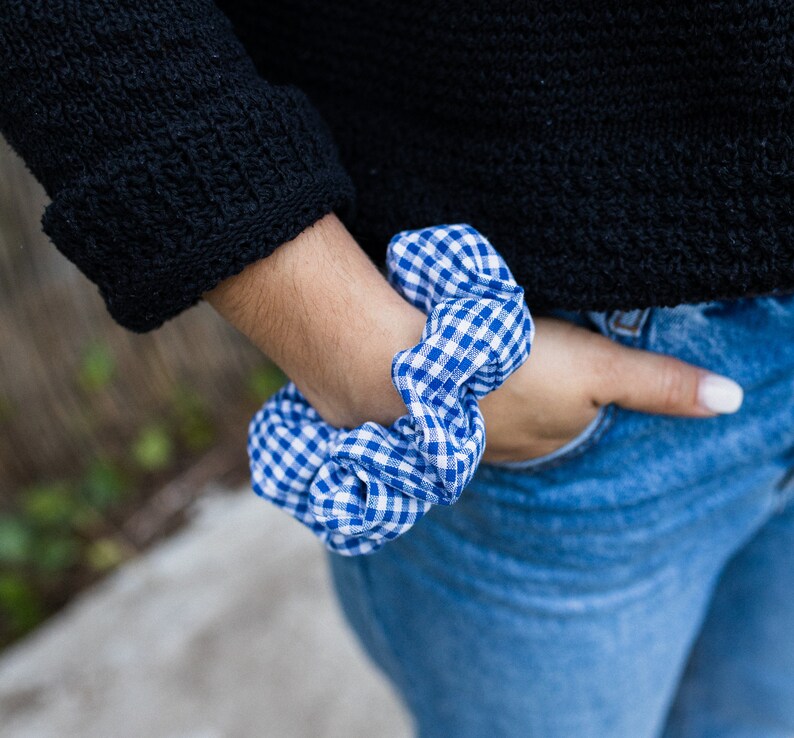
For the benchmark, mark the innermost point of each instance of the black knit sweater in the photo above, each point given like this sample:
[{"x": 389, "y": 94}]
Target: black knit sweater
[{"x": 619, "y": 154}]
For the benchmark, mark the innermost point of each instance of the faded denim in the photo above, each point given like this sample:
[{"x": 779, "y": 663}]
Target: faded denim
[{"x": 639, "y": 582}]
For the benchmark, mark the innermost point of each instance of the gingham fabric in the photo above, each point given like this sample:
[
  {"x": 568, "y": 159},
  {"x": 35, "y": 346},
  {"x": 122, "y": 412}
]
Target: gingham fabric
[{"x": 358, "y": 488}]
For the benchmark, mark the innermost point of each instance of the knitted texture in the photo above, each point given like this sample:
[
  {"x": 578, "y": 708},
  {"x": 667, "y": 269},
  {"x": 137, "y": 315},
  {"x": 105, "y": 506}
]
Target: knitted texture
[
  {"x": 170, "y": 162},
  {"x": 622, "y": 154},
  {"x": 356, "y": 489}
]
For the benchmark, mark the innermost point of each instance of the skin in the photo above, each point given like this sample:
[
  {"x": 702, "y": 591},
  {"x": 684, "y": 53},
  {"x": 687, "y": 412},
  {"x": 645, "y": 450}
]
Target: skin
[{"x": 320, "y": 309}]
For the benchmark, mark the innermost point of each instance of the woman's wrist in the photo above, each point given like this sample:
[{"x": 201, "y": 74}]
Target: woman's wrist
[
  {"x": 370, "y": 394},
  {"x": 319, "y": 308}
]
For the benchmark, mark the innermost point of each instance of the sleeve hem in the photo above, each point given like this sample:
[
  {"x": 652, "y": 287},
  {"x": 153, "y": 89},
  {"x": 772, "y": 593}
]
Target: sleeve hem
[{"x": 142, "y": 296}]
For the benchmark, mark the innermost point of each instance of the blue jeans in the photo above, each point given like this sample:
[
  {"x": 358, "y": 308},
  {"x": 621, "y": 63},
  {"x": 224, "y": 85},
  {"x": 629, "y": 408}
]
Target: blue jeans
[{"x": 638, "y": 582}]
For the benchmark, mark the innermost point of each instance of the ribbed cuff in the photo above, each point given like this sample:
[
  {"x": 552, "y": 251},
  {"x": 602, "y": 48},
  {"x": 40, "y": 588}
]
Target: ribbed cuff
[{"x": 167, "y": 218}]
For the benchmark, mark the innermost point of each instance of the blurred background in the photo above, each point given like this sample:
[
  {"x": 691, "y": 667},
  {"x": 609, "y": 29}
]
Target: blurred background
[{"x": 113, "y": 447}]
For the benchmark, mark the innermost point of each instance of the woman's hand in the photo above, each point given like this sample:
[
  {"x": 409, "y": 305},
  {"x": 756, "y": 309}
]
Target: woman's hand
[
  {"x": 322, "y": 311},
  {"x": 571, "y": 372}
]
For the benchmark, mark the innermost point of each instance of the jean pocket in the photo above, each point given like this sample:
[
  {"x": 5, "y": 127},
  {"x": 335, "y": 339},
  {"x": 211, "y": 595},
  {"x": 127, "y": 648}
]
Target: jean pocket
[
  {"x": 576, "y": 446},
  {"x": 623, "y": 326}
]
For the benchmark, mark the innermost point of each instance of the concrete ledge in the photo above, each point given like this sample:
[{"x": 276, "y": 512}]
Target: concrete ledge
[{"x": 229, "y": 629}]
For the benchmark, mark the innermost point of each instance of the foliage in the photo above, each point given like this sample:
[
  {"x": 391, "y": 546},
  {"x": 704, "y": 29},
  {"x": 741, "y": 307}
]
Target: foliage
[
  {"x": 265, "y": 380},
  {"x": 97, "y": 366},
  {"x": 46, "y": 535},
  {"x": 19, "y": 604},
  {"x": 153, "y": 448},
  {"x": 60, "y": 534},
  {"x": 192, "y": 419}
]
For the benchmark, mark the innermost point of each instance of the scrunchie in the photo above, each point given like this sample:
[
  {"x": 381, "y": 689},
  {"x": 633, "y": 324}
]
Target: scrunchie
[{"x": 356, "y": 489}]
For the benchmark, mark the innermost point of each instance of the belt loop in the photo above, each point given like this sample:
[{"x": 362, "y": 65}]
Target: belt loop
[{"x": 628, "y": 323}]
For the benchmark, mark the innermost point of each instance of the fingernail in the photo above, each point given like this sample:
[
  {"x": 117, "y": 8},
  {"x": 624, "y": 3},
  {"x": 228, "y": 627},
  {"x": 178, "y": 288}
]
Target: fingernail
[{"x": 720, "y": 394}]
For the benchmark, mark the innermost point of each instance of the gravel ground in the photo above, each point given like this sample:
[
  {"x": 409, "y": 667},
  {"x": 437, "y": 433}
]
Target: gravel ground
[{"x": 227, "y": 630}]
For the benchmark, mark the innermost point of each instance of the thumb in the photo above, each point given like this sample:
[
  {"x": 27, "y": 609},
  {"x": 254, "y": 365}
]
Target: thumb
[{"x": 658, "y": 383}]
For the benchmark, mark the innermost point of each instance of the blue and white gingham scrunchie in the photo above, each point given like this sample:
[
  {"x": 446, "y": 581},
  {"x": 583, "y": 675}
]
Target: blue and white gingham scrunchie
[{"x": 357, "y": 489}]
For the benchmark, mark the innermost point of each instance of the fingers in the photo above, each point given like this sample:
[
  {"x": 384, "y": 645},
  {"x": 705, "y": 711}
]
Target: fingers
[{"x": 657, "y": 383}]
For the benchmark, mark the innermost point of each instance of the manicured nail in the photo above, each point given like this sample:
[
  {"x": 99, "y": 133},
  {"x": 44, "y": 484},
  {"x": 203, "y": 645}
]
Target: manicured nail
[{"x": 720, "y": 394}]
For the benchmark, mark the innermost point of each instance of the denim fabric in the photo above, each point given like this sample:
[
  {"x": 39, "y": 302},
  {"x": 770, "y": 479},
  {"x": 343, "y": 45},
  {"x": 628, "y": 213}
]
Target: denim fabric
[{"x": 638, "y": 583}]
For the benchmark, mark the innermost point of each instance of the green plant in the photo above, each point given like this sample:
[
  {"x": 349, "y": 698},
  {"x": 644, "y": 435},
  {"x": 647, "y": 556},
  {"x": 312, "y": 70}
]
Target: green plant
[
  {"x": 97, "y": 366},
  {"x": 19, "y": 603},
  {"x": 104, "y": 484},
  {"x": 16, "y": 540},
  {"x": 193, "y": 424},
  {"x": 52, "y": 504},
  {"x": 153, "y": 449},
  {"x": 49, "y": 534},
  {"x": 265, "y": 380},
  {"x": 58, "y": 535},
  {"x": 104, "y": 554}
]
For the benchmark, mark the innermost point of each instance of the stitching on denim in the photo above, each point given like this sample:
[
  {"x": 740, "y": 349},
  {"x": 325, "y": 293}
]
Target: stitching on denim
[
  {"x": 581, "y": 444},
  {"x": 604, "y": 424}
]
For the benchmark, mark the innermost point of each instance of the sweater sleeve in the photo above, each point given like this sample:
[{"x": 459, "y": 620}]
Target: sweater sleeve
[{"x": 170, "y": 162}]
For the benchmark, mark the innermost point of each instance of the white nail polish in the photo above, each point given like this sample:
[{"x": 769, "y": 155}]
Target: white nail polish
[{"x": 720, "y": 394}]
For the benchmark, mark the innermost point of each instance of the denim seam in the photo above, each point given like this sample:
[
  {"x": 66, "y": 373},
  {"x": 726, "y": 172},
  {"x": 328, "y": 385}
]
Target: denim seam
[
  {"x": 606, "y": 421},
  {"x": 594, "y": 430}
]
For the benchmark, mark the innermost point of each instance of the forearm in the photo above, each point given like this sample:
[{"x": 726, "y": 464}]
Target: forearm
[{"x": 319, "y": 308}]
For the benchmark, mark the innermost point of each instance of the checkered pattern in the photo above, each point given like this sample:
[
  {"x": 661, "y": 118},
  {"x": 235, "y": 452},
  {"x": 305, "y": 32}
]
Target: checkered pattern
[{"x": 356, "y": 489}]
